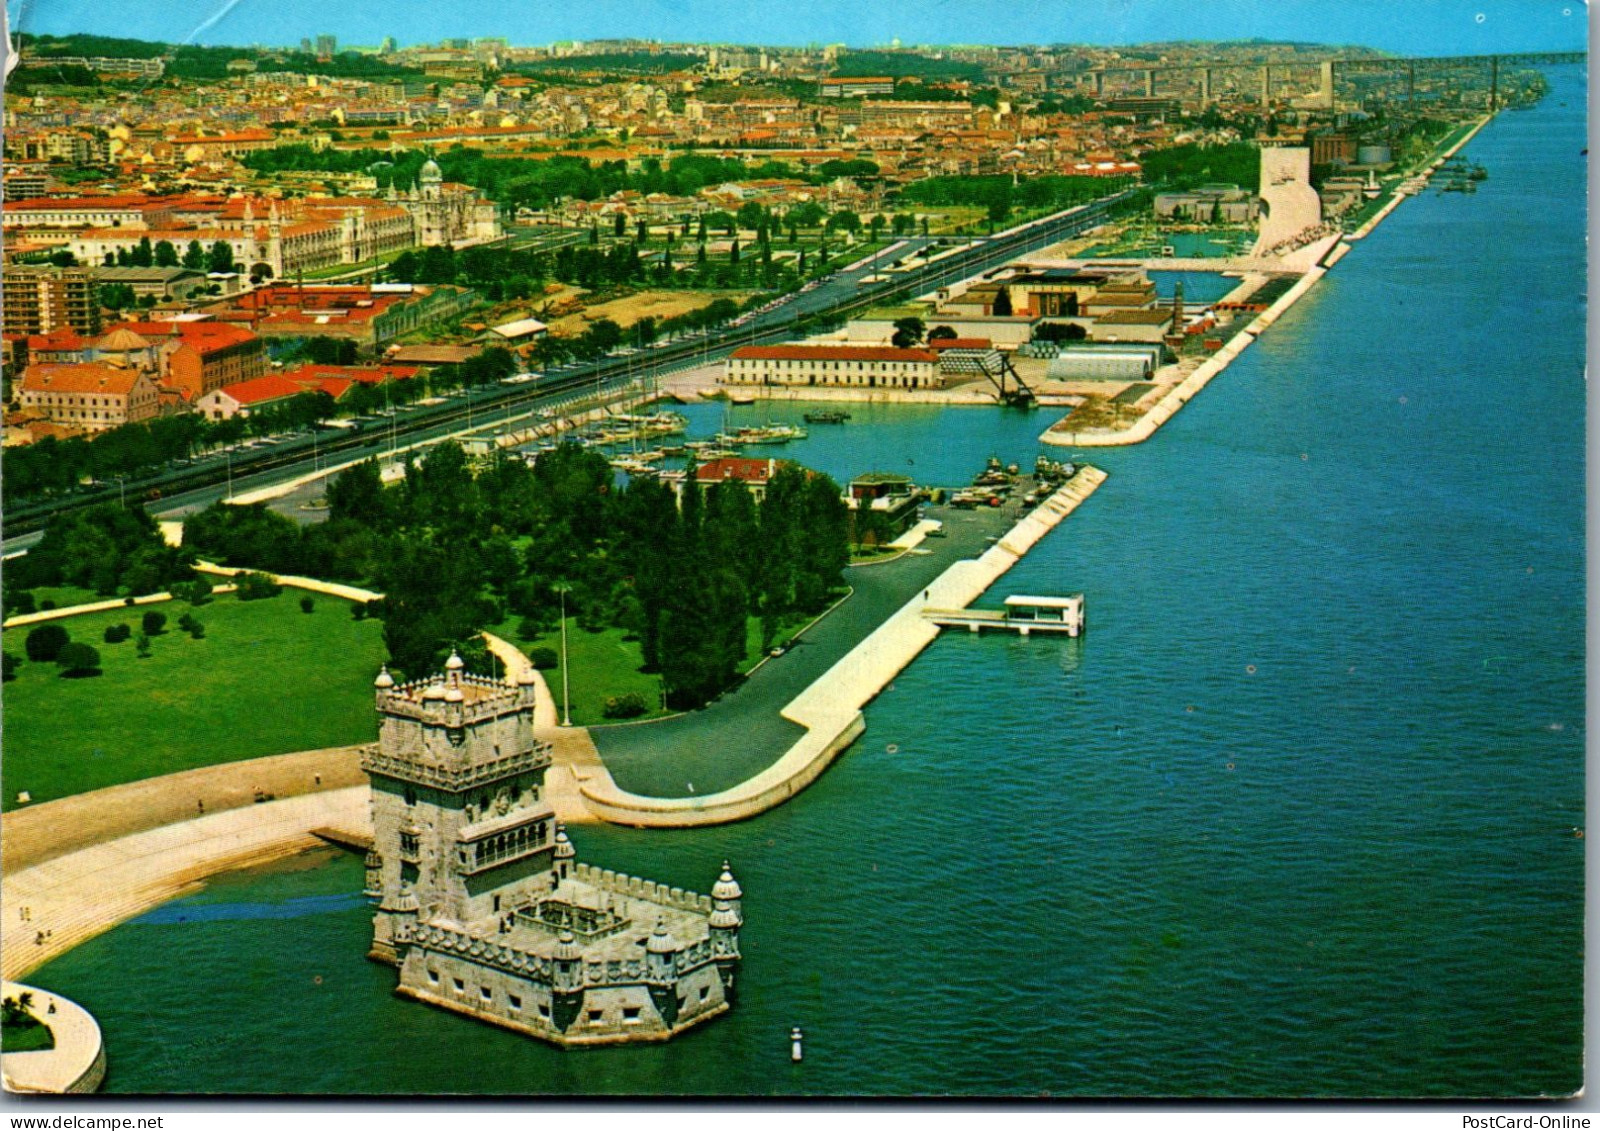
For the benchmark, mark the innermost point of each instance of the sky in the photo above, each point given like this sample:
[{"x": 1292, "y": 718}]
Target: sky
[{"x": 1417, "y": 27}]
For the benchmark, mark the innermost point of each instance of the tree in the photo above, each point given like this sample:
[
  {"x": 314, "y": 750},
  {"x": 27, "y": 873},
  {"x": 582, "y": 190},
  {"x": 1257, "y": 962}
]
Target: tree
[
  {"x": 45, "y": 643},
  {"x": 142, "y": 255},
  {"x": 907, "y": 332},
  {"x": 78, "y": 660},
  {"x": 220, "y": 259},
  {"x": 153, "y": 623},
  {"x": 751, "y": 214},
  {"x": 1002, "y": 303},
  {"x": 619, "y": 225},
  {"x": 941, "y": 334},
  {"x": 844, "y": 221},
  {"x": 117, "y": 633},
  {"x": 8, "y": 666},
  {"x": 166, "y": 255},
  {"x": 323, "y": 350},
  {"x": 194, "y": 256}
]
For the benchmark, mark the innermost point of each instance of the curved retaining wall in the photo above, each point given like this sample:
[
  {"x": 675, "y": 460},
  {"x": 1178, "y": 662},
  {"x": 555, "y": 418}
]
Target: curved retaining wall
[
  {"x": 77, "y": 1063},
  {"x": 830, "y": 708}
]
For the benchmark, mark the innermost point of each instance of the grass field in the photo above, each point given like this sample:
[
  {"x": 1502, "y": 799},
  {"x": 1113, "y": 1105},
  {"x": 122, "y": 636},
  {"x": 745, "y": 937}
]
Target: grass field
[
  {"x": 658, "y": 304},
  {"x": 265, "y": 679},
  {"x": 604, "y": 664},
  {"x": 14, "y": 1038}
]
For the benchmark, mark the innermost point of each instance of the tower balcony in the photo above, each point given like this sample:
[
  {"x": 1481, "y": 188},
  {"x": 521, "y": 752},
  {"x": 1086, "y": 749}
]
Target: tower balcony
[{"x": 456, "y": 778}]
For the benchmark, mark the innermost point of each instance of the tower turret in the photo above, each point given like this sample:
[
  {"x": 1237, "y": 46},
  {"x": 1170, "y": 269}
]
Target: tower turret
[{"x": 564, "y": 854}]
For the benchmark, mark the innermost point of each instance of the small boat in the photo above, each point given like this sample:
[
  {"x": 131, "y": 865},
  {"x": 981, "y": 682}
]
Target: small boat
[{"x": 827, "y": 416}]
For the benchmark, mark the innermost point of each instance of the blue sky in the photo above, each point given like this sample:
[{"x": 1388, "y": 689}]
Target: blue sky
[{"x": 1424, "y": 27}]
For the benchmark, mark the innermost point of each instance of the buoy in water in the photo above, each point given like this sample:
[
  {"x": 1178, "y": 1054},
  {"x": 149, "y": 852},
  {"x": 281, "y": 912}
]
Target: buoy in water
[
  {"x": 893, "y": 748},
  {"x": 797, "y": 1052}
]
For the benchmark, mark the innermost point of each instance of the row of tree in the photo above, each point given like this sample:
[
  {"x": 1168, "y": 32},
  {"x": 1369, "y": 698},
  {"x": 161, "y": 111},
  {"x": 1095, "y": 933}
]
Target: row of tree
[
  {"x": 455, "y": 551},
  {"x": 999, "y": 195}
]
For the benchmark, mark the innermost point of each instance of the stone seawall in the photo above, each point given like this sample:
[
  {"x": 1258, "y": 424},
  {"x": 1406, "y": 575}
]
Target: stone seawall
[{"x": 830, "y": 708}]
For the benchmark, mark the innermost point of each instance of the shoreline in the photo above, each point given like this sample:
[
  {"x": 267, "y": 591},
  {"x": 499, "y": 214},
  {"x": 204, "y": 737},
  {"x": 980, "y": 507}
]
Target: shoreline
[{"x": 1167, "y": 406}]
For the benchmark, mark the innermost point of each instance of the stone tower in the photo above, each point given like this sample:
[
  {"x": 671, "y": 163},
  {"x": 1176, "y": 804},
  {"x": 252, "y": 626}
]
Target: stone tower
[
  {"x": 482, "y": 903},
  {"x": 431, "y": 215},
  {"x": 460, "y": 824}
]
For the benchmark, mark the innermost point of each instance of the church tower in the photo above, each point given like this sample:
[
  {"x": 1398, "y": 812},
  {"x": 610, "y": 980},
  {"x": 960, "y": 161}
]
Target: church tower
[{"x": 430, "y": 191}]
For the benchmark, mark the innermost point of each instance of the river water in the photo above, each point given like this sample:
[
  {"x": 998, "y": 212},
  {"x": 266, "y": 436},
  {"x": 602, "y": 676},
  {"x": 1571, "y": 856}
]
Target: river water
[{"x": 1299, "y": 815}]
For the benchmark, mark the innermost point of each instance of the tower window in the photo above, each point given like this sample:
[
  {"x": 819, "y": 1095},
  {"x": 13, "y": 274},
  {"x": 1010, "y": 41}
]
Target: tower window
[
  {"x": 514, "y": 1001},
  {"x": 595, "y": 1015},
  {"x": 459, "y": 984},
  {"x": 487, "y": 993}
]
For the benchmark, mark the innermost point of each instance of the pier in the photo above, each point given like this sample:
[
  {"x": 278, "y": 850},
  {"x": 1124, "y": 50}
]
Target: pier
[{"x": 1022, "y": 615}]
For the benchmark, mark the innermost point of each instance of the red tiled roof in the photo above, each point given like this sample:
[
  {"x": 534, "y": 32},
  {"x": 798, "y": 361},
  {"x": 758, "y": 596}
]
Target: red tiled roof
[
  {"x": 833, "y": 353},
  {"x": 61, "y": 338},
  {"x": 277, "y": 386},
  {"x": 89, "y": 377},
  {"x": 959, "y": 343},
  {"x": 736, "y": 467}
]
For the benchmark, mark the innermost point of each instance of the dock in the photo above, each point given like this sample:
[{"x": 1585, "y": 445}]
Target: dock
[{"x": 1021, "y": 614}]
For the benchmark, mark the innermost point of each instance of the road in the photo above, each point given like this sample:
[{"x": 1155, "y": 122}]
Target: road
[{"x": 195, "y": 485}]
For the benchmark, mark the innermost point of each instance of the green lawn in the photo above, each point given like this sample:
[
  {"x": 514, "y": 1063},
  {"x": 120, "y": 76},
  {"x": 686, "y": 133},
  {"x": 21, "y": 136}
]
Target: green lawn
[
  {"x": 265, "y": 679},
  {"x": 65, "y": 596},
  {"x": 604, "y": 665},
  {"x": 15, "y": 1038}
]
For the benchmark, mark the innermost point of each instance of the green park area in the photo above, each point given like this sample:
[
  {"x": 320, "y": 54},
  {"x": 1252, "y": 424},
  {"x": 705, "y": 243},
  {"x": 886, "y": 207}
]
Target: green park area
[
  {"x": 264, "y": 678},
  {"x": 606, "y": 666}
]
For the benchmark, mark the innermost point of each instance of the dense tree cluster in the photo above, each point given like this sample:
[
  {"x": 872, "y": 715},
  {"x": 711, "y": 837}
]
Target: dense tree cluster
[
  {"x": 455, "y": 551},
  {"x": 1000, "y": 196},
  {"x": 526, "y": 182},
  {"x": 1185, "y": 166},
  {"x": 105, "y": 548}
]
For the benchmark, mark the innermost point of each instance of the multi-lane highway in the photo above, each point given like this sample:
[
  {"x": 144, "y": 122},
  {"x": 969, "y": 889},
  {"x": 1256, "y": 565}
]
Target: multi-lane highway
[{"x": 916, "y": 265}]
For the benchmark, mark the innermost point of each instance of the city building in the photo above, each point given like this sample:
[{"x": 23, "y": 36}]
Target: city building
[
  {"x": 873, "y": 367},
  {"x": 37, "y": 300},
  {"x": 481, "y": 903},
  {"x": 883, "y": 505},
  {"x": 367, "y": 315},
  {"x": 447, "y": 213},
  {"x": 93, "y": 396},
  {"x": 854, "y": 88}
]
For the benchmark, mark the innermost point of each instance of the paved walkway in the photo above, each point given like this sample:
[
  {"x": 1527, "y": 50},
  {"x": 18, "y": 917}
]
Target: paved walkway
[
  {"x": 829, "y": 709},
  {"x": 36, "y": 833},
  {"x": 73, "y": 897}
]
